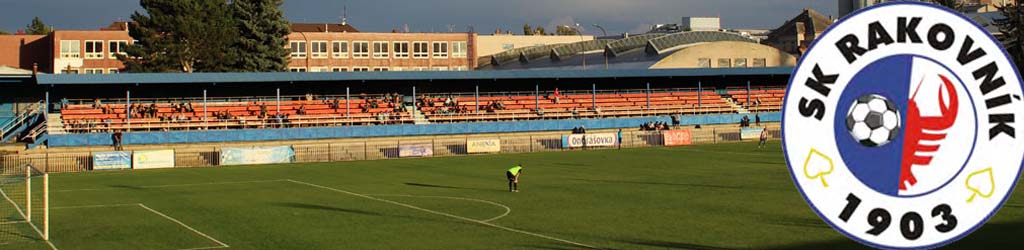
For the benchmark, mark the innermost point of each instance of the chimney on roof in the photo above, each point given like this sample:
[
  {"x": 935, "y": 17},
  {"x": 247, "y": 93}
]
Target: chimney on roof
[{"x": 35, "y": 69}]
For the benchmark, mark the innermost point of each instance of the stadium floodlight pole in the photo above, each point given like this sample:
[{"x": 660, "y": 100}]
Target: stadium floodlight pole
[
  {"x": 602, "y": 29},
  {"x": 279, "y": 101},
  {"x": 128, "y": 108},
  {"x": 583, "y": 53},
  {"x": 700, "y": 96},
  {"x": 348, "y": 111},
  {"x": 476, "y": 99},
  {"x": 648, "y": 96},
  {"x": 593, "y": 95},
  {"x": 748, "y": 94},
  {"x": 46, "y": 106},
  {"x": 204, "y": 106},
  {"x": 536, "y": 96}
]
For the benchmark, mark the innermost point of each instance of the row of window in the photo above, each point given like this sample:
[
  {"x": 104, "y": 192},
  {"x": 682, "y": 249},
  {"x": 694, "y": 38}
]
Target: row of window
[
  {"x": 94, "y": 49},
  {"x": 380, "y": 49},
  {"x": 732, "y": 63},
  {"x": 90, "y": 71},
  {"x": 377, "y": 69}
]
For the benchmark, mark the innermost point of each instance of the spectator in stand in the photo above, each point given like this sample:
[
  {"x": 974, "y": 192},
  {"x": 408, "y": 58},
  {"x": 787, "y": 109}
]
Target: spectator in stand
[
  {"x": 96, "y": 103},
  {"x": 675, "y": 120},
  {"x": 335, "y": 105},
  {"x": 575, "y": 113},
  {"x": 583, "y": 130},
  {"x": 302, "y": 109},
  {"x": 64, "y": 103},
  {"x": 757, "y": 119},
  {"x": 153, "y": 109},
  {"x": 558, "y": 96},
  {"x": 188, "y": 108}
]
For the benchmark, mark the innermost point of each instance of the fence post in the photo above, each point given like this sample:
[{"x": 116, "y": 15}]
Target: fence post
[
  {"x": 531, "y": 143},
  {"x": 714, "y": 135}
]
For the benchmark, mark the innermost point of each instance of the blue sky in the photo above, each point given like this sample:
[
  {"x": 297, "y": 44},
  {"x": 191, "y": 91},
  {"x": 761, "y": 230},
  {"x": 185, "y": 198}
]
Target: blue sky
[{"x": 436, "y": 15}]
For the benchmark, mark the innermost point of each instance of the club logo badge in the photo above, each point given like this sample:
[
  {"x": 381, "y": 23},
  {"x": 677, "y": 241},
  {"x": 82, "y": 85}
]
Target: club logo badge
[{"x": 899, "y": 126}]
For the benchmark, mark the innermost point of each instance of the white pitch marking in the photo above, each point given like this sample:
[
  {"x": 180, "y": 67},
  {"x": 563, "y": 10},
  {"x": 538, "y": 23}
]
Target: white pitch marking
[
  {"x": 507, "y": 209},
  {"x": 222, "y": 245},
  {"x": 197, "y": 232},
  {"x": 172, "y": 185},
  {"x": 446, "y": 214},
  {"x": 23, "y": 216}
]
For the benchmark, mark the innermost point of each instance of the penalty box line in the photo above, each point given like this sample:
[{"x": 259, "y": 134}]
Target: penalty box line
[
  {"x": 158, "y": 213},
  {"x": 485, "y": 223}
]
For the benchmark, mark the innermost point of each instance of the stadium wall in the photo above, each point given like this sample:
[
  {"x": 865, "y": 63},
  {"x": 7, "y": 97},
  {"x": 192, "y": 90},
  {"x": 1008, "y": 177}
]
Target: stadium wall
[{"x": 206, "y": 136}]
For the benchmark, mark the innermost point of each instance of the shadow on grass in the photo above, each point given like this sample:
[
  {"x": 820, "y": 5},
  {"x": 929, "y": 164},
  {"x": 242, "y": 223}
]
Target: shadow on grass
[
  {"x": 672, "y": 245},
  {"x": 449, "y": 187},
  {"x": 126, "y": 187},
  {"x": 664, "y": 183},
  {"x": 991, "y": 236},
  {"x": 326, "y": 208}
]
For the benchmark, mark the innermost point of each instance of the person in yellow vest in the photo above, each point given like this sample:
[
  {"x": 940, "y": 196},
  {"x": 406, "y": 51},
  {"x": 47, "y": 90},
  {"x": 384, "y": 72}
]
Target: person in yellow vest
[{"x": 513, "y": 177}]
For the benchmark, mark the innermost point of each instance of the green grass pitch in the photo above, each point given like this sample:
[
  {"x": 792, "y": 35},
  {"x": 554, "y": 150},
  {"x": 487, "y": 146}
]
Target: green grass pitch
[{"x": 725, "y": 196}]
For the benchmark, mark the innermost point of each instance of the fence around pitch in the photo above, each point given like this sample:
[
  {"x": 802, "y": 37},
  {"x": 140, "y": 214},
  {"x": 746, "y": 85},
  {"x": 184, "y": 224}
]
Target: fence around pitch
[{"x": 382, "y": 148}]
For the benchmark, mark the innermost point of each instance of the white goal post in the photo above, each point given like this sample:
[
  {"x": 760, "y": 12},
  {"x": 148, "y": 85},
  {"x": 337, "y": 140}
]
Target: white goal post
[{"x": 25, "y": 209}]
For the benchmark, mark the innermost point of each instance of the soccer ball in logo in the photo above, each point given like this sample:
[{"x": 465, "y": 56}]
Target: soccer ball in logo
[{"x": 873, "y": 120}]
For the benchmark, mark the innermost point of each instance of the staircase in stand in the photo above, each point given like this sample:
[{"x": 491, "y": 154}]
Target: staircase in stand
[
  {"x": 55, "y": 124},
  {"x": 417, "y": 116}
]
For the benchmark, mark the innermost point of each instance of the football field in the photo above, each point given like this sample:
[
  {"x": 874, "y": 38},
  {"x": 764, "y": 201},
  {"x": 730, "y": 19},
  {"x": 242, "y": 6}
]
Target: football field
[{"x": 724, "y": 196}]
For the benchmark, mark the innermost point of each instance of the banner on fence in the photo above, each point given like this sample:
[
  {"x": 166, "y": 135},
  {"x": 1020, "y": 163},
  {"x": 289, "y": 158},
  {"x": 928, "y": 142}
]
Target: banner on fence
[
  {"x": 415, "y": 150},
  {"x": 750, "y": 133},
  {"x": 146, "y": 159},
  {"x": 483, "y": 146},
  {"x": 256, "y": 155},
  {"x": 676, "y": 137},
  {"x": 589, "y": 140},
  {"x": 111, "y": 160}
]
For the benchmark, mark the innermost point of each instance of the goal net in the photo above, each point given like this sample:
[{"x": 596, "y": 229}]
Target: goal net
[{"x": 24, "y": 208}]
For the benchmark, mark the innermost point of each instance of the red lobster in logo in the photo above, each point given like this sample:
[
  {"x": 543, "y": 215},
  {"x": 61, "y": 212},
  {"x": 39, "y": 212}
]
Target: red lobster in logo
[{"x": 921, "y": 129}]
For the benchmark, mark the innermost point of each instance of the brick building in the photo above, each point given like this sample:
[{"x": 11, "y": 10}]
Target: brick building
[
  {"x": 340, "y": 47},
  {"x": 68, "y": 51}
]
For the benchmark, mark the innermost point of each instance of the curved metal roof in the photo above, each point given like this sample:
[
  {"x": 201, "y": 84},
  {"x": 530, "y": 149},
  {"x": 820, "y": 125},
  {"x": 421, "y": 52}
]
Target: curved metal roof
[
  {"x": 621, "y": 46},
  {"x": 662, "y": 44},
  {"x": 536, "y": 52},
  {"x": 567, "y": 50}
]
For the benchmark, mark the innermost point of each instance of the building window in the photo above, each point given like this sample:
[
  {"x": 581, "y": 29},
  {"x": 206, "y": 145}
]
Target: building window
[
  {"x": 318, "y": 49},
  {"x": 380, "y": 49},
  {"x": 760, "y": 62},
  {"x": 70, "y": 71},
  {"x": 318, "y": 69},
  {"x": 401, "y": 49},
  {"x": 339, "y": 69},
  {"x": 704, "y": 63},
  {"x": 724, "y": 62},
  {"x": 70, "y": 49},
  {"x": 117, "y": 48},
  {"x": 93, "y": 71},
  {"x": 113, "y": 71},
  {"x": 339, "y": 49},
  {"x": 459, "y": 49},
  {"x": 739, "y": 63},
  {"x": 439, "y": 69},
  {"x": 360, "y": 69},
  {"x": 460, "y": 68},
  {"x": 360, "y": 49},
  {"x": 380, "y": 69},
  {"x": 297, "y": 69},
  {"x": 298, "y": 49},
  {"x": 420, "y": 50},
  {"x": 397, "y": 69},
  {"x": 440, "y": 50},
  {"x": 93, "y": 49},
  {"x": 507, "y": 46},
  {"x": 418, "y": 69}
]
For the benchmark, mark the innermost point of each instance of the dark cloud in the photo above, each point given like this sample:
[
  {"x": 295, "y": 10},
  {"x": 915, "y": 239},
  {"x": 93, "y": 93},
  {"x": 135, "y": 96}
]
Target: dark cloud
[{"x": 437, "y": 15}]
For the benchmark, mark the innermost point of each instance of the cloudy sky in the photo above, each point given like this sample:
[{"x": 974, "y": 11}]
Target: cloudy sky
[{"x": 484, "y": 16}]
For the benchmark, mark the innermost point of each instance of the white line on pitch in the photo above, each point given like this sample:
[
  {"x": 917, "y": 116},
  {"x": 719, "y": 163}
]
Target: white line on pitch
[
  {"x": 507, "y": 209},
  {"x": 446, "y": 214},
  {"x": 222, "y": 245},
  {"x": 170, "y": 185}
]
